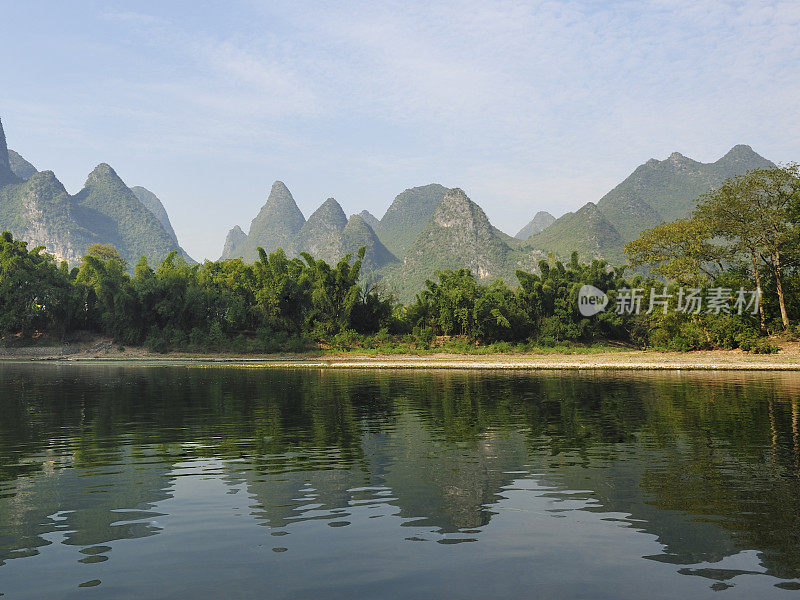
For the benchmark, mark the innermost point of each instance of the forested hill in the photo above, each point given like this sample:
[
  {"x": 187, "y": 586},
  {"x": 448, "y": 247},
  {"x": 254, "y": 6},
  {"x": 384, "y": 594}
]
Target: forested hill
[
  {"x": 35, "y": 206},
  {"x": 656, "y": 192}
]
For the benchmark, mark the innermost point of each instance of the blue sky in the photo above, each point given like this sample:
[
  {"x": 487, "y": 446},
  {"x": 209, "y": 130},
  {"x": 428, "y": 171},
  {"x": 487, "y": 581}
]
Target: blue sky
[{"x": 526, "y": 105}]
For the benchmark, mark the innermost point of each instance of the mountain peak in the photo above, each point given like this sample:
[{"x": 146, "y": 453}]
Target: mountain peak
[
  {"x": 330, "y": 213},
  {"x": 321, "y": 235},
  {"x": 740, "y": 152},
  {"x": 358, "y": 233},
  {"x": 103, "y": 173},
  {"x": 281, "y": 199},
  {"x": 4, "y": 162},
  {"x": 676, "y": 157},
  {"x": 6, "y": 174},
  {"x": 541, "y": 221},
  {"x": 278, "y": 187},
  {"x": 233, "y": 240},
  {"x": 369, "y": 218},
  {"x": 456, "y": 210},
  {"x": 408, "y": 215}
]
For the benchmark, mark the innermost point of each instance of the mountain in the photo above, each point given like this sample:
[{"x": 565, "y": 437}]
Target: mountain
[
  {"x": 41, "y": 212},
  {"x": 21, "y": 167},
  {"x": 321, "y": 235},
  {"x": 541, "y": 221},
  {"x": 35, "y": 206},
  {"x": 327, "y": 235},
  {"x": 7, "y": 176},
  {"x": 369, "y": 219},
  {"x": 276, "y": 226},
  {"x": 407, "y": 216},
  {"x": 586, "y": 230},
  {"x": 358, "y": 233},
  {"x": 458, "y": 235},
  {"x": 154, "y": 205},
  {"x": 656, "y": 192},
  {"x": 233, "y": 240},
  {"x": 110, "y": 209}
]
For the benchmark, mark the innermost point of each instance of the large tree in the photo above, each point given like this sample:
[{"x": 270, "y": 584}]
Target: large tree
[{"x": 753, "y": 212}]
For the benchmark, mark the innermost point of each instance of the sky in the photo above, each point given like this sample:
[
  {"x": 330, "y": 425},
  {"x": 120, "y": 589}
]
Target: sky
[{"x": 527, "y": 106}]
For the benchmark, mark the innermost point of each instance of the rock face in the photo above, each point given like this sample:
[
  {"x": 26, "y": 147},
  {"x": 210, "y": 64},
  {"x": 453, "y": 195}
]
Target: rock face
[
  {"x": 233, "y": 240},
  {"x": 458, "y": 235},
  {"x": 321, "y": 235},
  {"x": 41, "y": 212},
  {"x": 7, "y": 176},
  {"x": 276, "y": 226},
  {"x": 21, "y": 167},
  {"x": 34, "y": 206},
  {"x": 656, "y": 192},
  {"x": 541, "y": 221},
  {"x": 407, "y": 217}
]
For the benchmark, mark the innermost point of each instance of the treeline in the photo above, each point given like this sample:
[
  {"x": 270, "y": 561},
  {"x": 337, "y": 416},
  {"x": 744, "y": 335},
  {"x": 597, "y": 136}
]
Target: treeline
[{"x": 743, "y": 236}]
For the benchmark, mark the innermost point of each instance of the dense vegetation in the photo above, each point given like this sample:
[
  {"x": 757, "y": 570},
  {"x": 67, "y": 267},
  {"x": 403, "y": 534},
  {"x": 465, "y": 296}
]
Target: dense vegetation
[{"x": 742, "y": 236}]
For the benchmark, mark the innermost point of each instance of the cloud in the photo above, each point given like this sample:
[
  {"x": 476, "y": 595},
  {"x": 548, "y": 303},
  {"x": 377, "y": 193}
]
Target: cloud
[{"x": 531, "y": 105}]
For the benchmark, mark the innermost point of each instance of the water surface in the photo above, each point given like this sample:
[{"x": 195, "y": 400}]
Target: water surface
[{"x": 175, "y": 482}]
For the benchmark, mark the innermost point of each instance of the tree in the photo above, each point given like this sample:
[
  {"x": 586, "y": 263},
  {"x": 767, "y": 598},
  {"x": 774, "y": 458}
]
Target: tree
[
  {"x": 754, "y": 213},
  {"x": 683, "y": 251},
  {"x": 34, "y": 292}
]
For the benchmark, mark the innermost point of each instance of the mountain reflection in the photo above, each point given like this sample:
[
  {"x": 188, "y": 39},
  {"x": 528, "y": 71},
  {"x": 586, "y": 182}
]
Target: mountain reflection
[{"x": 707, "y": 464}]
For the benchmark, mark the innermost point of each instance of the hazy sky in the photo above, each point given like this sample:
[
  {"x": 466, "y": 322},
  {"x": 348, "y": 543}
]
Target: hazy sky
[{"x": 527, "y": 106}]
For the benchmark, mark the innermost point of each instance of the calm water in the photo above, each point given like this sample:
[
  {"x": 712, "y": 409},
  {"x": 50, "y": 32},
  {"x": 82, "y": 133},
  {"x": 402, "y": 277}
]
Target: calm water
[{"x": 181, "y": 482}]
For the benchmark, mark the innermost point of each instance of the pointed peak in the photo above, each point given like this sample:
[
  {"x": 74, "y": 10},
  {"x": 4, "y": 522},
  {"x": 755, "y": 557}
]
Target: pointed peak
[
  {"x": 3, "y": 148},
  {"x": 676, "y": 157},
  {"x": 46, "y": 178},
  {"x": 740, "y": 151},
  {"x": 357, "y": 222},
  {"x": 280, "y": 196},
  {"x": 103, "y": 173},
  {"x": 330, "y": 210},
  {"x": 369, "y": 218},
  {"x": 233, "y": 240},
  {"x": 6, "y": 174},
  {"x": 280, "y": 187}
]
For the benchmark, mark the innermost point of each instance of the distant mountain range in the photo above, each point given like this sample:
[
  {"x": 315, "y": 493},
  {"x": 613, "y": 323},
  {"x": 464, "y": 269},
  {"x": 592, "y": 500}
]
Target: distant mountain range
[
  {"x": 425, "y": 229},
  {"x": 656, "y": 192},
  {"x": 327, "y": 234},
  {"x": 35, "y": 206}
]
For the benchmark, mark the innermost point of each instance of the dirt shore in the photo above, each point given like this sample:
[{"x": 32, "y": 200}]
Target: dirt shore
[{"x": 788, "y": 359}]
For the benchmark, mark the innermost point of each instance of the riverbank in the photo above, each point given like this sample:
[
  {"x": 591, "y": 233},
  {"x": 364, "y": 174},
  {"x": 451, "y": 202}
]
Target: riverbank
[{"x": 788, "y": 359}]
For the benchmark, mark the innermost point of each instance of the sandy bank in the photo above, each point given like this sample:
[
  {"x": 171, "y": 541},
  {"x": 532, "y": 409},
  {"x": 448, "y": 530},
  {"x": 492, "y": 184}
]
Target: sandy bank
[{"x": 787, "y": 360}]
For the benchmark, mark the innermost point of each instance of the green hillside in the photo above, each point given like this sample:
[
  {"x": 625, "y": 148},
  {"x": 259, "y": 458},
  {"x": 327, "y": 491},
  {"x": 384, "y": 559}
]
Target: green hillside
[
  {"x": 541, "y": 221},
  {"x": 276, "y": 226},
  {"x": 21, "y": 167},
  {"x": 657, "y": 191},
  {"x": 407, "y": 216},
  {"x": 107, "y": 207}
]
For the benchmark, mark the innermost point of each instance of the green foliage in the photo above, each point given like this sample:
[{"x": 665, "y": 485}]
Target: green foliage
[
  {"x": 278, "y": 304},
  {"x": 34, "y": 291}
]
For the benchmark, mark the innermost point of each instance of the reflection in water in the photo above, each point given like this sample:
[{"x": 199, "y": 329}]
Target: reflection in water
[{"x": 624, "y": 483}]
